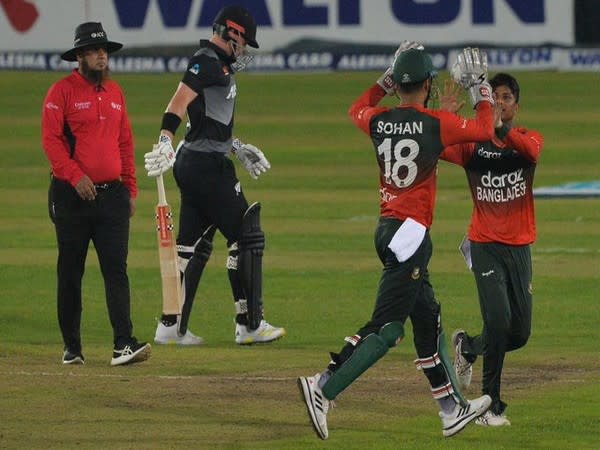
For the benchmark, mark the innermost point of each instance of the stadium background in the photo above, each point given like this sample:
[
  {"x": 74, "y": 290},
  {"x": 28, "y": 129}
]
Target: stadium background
[{"x": 313, "y": 35}]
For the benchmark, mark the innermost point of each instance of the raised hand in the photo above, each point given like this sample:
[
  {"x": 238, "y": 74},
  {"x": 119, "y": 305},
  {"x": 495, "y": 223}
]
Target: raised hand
[
  {"x": 470, "y": 71},
  {"x": 385, "y": 80},
  {"x": 449, "y": 97}
]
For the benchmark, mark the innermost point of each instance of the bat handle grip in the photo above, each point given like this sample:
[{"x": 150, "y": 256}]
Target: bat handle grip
[{"x": 162, "y": 196}]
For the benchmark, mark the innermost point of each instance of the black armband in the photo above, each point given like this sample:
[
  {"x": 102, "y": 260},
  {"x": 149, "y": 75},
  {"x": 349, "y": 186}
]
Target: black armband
[{"x": 170, "y": 122}]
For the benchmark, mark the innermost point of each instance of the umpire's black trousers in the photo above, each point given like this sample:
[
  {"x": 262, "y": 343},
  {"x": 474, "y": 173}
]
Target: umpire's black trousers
[{"x": 104, "y": 221}]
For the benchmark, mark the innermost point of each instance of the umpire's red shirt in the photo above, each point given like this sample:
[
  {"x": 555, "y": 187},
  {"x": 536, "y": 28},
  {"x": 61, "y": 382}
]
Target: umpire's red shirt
[{"x": 86, "y": 131}]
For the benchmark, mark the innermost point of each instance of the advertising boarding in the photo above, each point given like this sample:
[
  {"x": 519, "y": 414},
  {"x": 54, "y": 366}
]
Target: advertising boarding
[{"x": 525, "y": 34}]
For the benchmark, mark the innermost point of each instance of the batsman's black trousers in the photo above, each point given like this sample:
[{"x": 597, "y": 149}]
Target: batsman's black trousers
[
  {"x": 105, "y": 222},
  {"x": 211, "y": 194},
  {"x": 503, "y": 275}
]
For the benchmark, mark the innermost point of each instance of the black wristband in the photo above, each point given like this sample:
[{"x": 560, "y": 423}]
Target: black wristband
[{"x": 170, "y": 122}]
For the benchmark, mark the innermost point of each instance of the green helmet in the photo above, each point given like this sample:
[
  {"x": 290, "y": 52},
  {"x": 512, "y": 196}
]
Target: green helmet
[{"x": 413, "y": 66}]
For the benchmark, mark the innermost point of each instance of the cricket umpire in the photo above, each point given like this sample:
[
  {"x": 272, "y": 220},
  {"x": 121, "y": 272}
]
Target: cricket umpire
[
  {"x": 87, "y": 138},
  {"x": 211, "y": 194}
]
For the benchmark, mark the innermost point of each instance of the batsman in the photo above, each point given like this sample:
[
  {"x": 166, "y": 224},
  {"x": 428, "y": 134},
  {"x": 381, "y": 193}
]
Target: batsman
[{"x": 211, "y": 195}]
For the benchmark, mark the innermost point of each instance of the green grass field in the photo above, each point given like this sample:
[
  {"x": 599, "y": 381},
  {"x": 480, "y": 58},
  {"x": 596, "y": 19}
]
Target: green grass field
[{"x": 320, "y": 206}]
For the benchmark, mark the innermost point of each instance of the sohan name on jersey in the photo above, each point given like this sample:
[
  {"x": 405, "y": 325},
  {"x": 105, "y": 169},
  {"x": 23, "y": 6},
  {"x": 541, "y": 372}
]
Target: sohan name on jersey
[{"x": 400, "y": 127}]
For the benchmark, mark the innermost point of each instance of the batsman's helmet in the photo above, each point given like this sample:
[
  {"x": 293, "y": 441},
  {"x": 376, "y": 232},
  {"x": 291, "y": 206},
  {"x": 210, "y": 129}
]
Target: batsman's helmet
[
  {"x": 413, "y": 66},
  {"x": 238, "y": 19}
]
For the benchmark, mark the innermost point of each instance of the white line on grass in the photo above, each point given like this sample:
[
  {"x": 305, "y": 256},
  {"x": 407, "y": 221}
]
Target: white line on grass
[
  {"x": 565, "y": 250},
  {"x": 191, "y": 377},
  {"x": 165, "y": 377}
]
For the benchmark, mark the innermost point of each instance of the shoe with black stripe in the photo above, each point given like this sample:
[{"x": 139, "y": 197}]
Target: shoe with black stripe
[
  {"x": 461, "y": 416},
  {"x": 130, "y": 352},
  {"x": 316, "y": 404}
]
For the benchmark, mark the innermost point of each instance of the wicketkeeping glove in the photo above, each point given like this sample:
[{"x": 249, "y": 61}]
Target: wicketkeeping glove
[
  {"x": 253, "y": 160},
  {"x": 470, "y": 72},
  {"x": 385, "y": 80},
  {"x": 161, "y": 158}
]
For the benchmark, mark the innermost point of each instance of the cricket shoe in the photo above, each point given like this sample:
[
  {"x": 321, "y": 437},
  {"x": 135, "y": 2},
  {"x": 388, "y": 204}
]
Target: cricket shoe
[
  {"x": 264, "y": 333},
  {"x": 131, "y": 352},
  {"x": 461, "y": 416},
  {"x": 462, "y": 367},
  {"x": 170, "y": 335},
  {"x": 316, "y": 404},
  {"x": 489, "y": 419},
  {"x": 71, "y": 357}
]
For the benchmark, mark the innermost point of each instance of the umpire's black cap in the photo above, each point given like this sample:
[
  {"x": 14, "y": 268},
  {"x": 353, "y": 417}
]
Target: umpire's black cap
[
  {"x": 239, "y": 19},
  {"x": 90, "y": 34}
]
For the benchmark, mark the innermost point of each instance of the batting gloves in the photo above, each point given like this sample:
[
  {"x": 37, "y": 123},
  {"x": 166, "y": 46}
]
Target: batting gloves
[
  {"x": 161, "y": 158},
  {"x": 253, "y": 160},
  {"x": 385, "y": 80}
]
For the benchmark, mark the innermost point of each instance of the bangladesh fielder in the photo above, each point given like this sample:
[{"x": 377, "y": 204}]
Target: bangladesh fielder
[{"x": 500, "y": 174}]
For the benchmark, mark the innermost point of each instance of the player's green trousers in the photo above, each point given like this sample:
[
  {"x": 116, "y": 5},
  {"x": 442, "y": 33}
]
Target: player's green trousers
[
  {"x": 404, "y": 292},
  {"x": 503, "y": 275}
]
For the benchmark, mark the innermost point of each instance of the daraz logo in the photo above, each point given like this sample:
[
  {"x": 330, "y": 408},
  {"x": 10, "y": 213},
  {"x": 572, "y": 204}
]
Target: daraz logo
[{"x": 21, "y": 14}]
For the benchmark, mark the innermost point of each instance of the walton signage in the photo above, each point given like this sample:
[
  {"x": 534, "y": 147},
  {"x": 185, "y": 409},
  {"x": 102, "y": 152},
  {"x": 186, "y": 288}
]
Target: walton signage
[{"x": 42, "y": 25}]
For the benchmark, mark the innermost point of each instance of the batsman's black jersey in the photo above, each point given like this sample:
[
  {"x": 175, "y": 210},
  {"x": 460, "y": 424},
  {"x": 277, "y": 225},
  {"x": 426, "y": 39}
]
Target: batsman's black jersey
[{"x": 210, "y": 114}]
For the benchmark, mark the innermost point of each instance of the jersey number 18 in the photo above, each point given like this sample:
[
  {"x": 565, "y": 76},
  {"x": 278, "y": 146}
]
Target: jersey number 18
[{"x": 395, "y": 162}]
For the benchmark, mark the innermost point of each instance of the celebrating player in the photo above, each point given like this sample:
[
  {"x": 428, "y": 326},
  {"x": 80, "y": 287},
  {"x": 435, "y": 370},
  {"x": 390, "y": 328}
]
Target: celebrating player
[
  {"x": 408, "y": 140},
  {"x": 500, "y": 174},
  {"x": 211, "y": 194}
]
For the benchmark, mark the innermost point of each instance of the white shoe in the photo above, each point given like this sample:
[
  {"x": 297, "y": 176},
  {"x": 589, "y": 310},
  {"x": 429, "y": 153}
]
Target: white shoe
[
  {"x": 316, "y": 404},
  {"x": 489, "y": 419},
  {"x": 462, "y": 367},
  {"x": 454, "y": 422},
  {"x": 264, "y": 333},
  {"x": 170, "y": 335},
  {"x": 131, "y": 352}
]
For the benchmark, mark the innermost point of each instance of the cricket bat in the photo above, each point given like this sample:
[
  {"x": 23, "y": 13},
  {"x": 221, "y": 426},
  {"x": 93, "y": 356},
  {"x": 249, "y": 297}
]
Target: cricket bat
[{"x": 167, "y": 252}]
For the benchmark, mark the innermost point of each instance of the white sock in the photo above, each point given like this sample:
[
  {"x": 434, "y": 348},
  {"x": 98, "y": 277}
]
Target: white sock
[{"x": 447, "y": 404}]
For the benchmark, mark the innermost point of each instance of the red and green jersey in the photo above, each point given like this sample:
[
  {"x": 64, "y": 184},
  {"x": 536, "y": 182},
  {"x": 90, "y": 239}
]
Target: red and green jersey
[
  {"x": 408, "y": 141},
  {"x": 500, "y": 174}
]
